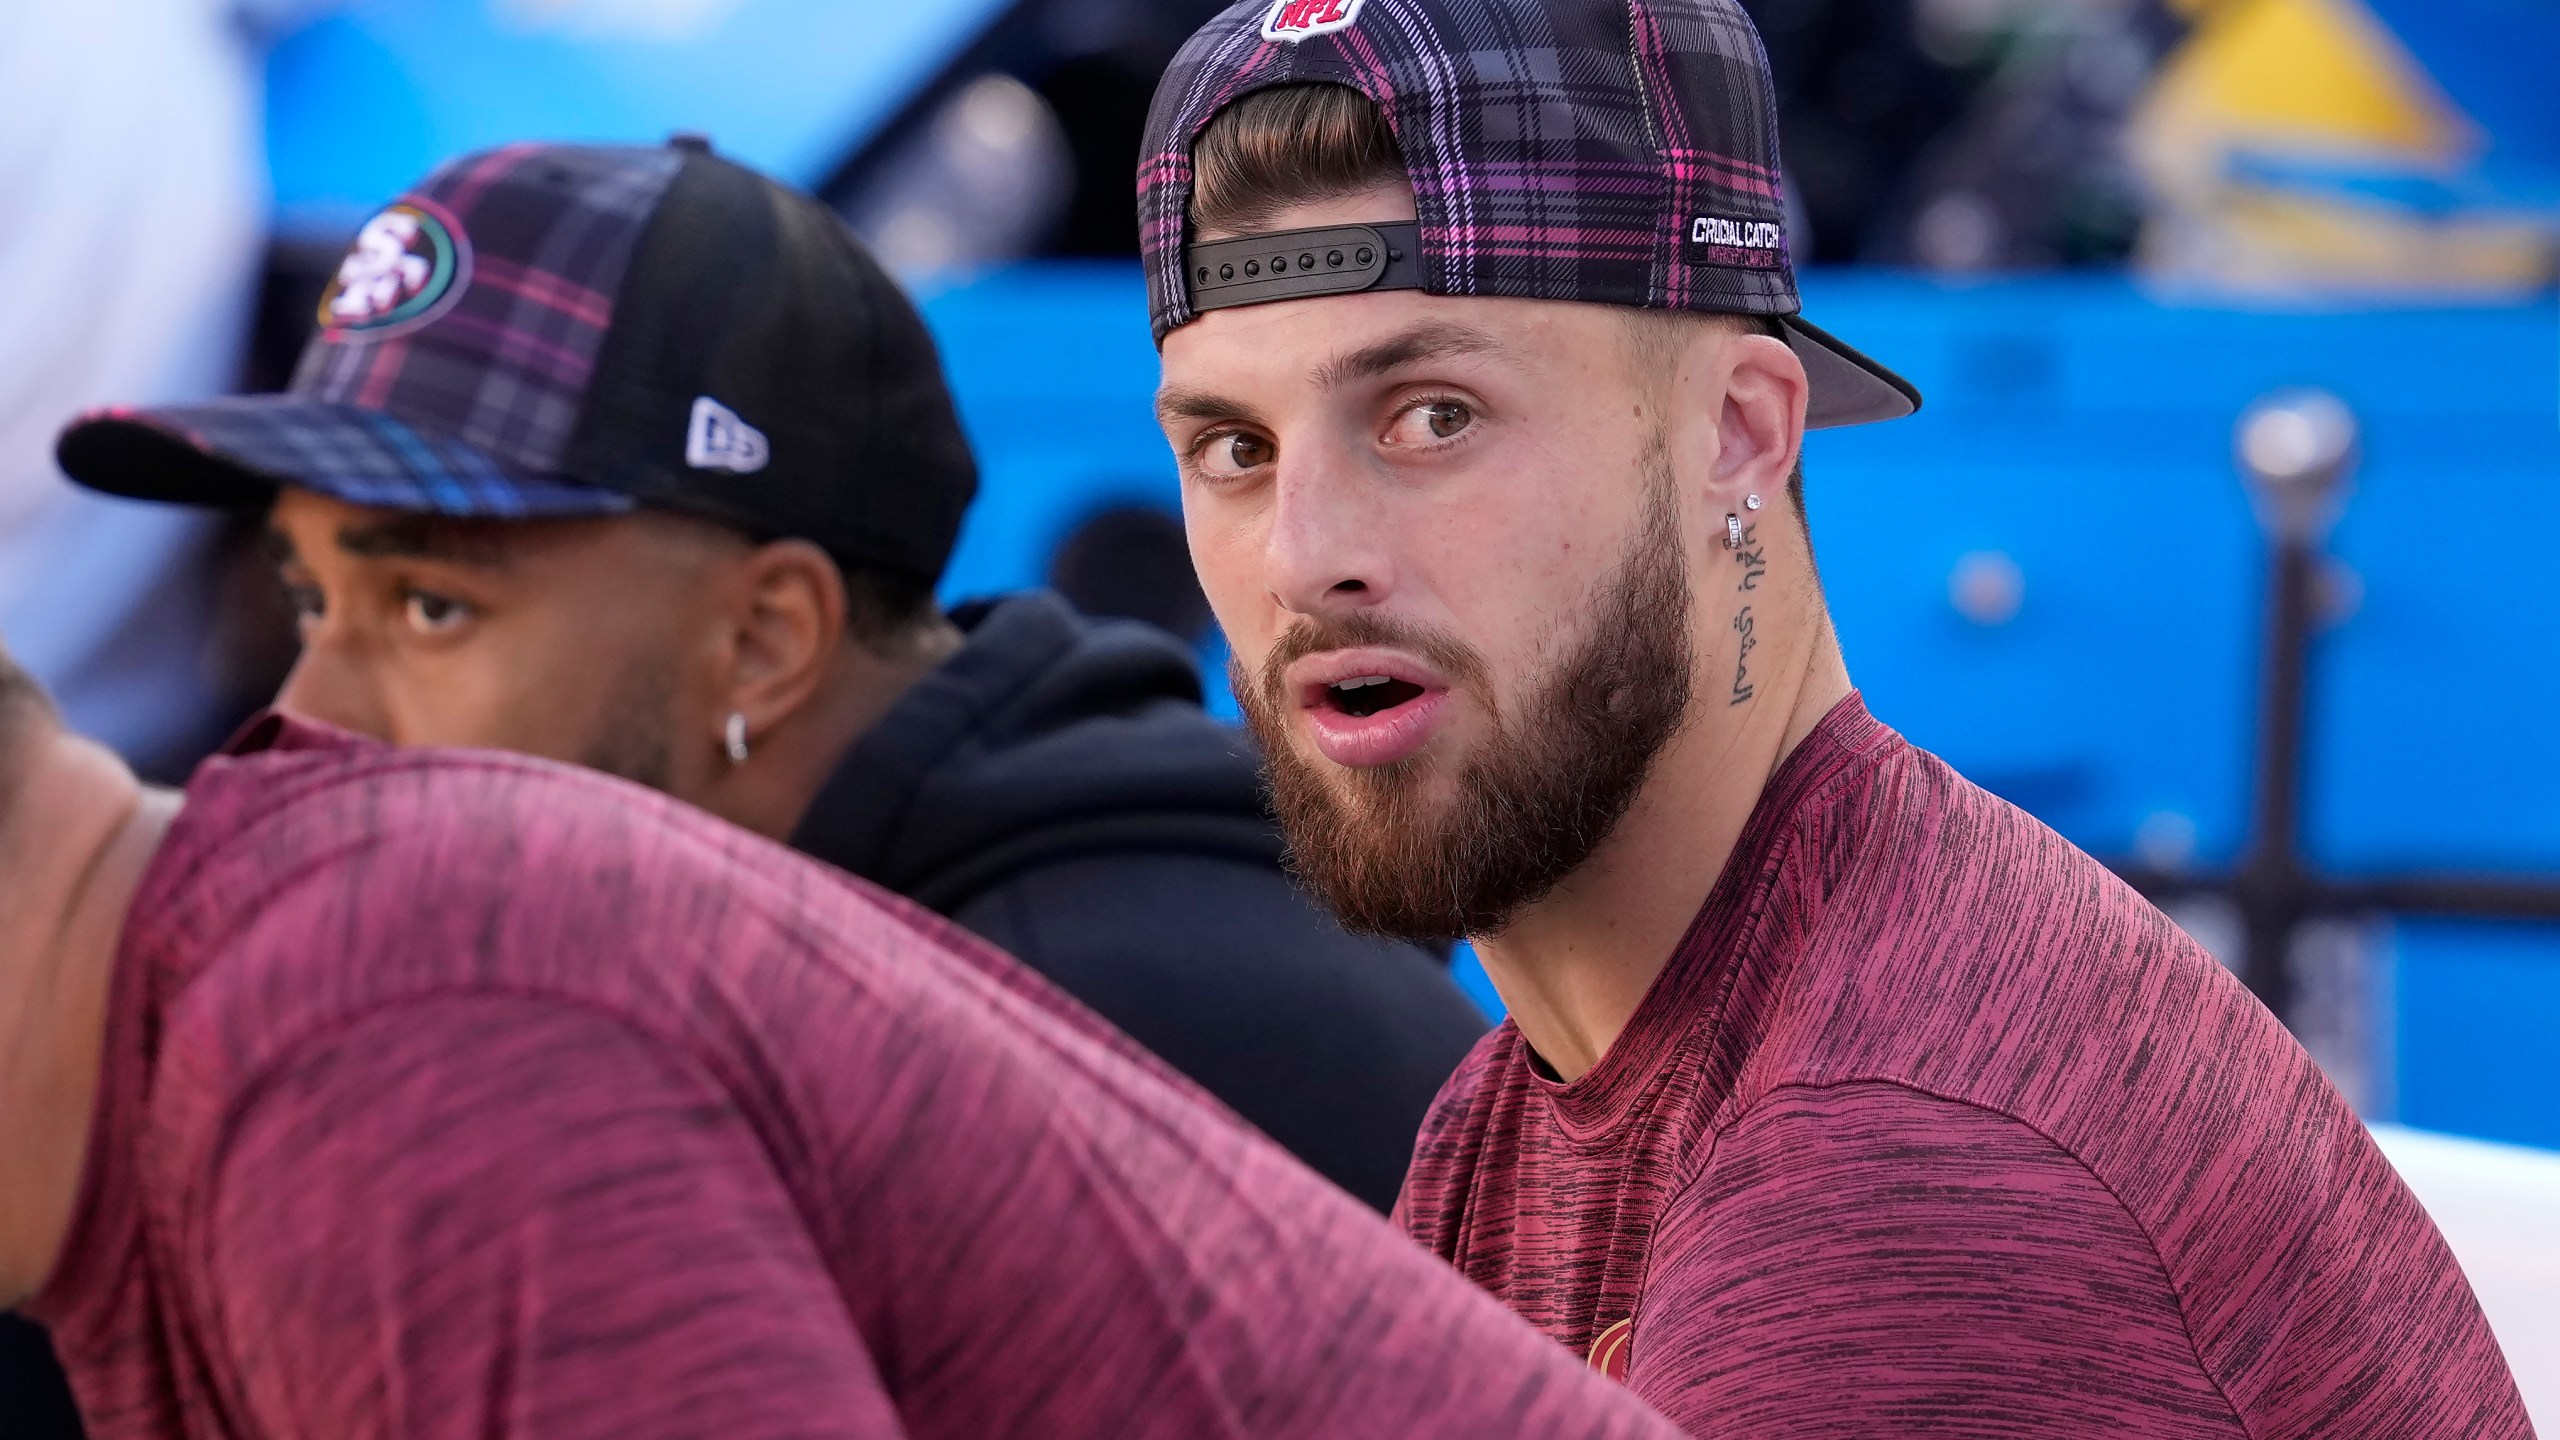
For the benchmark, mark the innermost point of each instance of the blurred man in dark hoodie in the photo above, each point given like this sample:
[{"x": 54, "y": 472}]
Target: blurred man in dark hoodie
[{"x": 633, "y": 458}]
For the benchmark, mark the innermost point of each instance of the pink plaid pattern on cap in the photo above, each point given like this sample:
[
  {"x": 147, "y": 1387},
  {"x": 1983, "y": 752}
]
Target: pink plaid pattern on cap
[
  {"x": 1559, "y": 149},
  {"x": 551, "y": 231}
]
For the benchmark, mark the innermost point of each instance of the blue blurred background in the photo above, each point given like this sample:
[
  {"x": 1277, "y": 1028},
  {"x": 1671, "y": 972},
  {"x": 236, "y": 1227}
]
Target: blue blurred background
[{"x": 2094, "y": 231}]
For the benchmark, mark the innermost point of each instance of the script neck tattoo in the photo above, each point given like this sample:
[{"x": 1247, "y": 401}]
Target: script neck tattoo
[{"x": 1753, "y": 560}]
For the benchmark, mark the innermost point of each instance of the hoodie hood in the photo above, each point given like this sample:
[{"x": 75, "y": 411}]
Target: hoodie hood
[{"x": 1049, "y": 735}]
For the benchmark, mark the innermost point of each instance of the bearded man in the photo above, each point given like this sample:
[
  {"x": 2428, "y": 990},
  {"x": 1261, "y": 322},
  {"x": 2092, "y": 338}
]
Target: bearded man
[{"x": 1837, "y": 1097}]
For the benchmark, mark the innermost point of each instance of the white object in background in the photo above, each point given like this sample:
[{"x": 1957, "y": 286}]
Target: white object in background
[
  {"x": 1987, "y": 588},
  {"x": 132, "y": 202},
  {"x": 2499, "y": 1208}
]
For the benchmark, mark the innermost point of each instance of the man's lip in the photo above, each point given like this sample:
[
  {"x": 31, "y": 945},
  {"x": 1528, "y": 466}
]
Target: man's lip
[
  {"x": 1310, "y": 678},
  {"x": 1382, "y": 737},
  {"x": 1359, "y": 742}
]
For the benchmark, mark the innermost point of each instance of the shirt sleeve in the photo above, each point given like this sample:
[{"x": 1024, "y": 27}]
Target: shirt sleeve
[
  {"x": 508, "y": 1219},
  {"x": 1866, "y": 1260}
]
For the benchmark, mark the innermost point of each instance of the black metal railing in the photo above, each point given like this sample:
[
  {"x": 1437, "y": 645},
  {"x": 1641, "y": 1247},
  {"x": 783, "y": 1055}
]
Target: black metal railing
[{"x": 2299, "y": 450}]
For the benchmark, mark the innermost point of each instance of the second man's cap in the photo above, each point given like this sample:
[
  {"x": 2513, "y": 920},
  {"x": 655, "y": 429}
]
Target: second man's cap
[{"x": 558, "y": 330}]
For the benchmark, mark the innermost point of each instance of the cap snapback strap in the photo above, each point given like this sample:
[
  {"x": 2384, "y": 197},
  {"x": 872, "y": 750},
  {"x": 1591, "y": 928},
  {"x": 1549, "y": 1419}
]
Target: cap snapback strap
[{"x": 1297, "y": 264}]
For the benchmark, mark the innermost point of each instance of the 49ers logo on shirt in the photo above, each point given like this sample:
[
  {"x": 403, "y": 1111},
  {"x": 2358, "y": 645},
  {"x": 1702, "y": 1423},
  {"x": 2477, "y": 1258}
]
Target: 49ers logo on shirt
[
  {"x": 1609, "y": 1351},
  {"x": 1296, "y": 20},
  {"x": 406, "y": 267}
]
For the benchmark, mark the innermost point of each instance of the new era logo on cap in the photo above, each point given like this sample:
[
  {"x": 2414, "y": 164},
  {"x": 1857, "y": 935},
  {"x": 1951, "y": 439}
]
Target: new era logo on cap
[
  {"x": 1295, "y": 20},
  {"x": 718, "y": 440}
]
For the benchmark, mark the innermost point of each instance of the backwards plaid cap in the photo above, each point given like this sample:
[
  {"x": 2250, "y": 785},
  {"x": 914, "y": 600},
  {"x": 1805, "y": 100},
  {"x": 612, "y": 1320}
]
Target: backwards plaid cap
[
  {"x": 1623, "y": 152},
  {"x": 557, "y": 330}
]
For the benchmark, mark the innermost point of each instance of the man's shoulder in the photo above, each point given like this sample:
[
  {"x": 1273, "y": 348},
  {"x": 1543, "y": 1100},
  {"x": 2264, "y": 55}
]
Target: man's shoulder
[
  {"x": 304, "y": 885},
  {"x": 453, "y": 824},
  {"x": 1962, "y": 946},
  {"x": 1964, "y": 951}
]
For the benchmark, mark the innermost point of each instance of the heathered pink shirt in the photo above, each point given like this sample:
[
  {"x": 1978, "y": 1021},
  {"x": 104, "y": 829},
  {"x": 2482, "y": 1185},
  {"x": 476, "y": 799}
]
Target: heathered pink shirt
[
  {"x": 1932, "y": 1127},
  {"x": 458, "y": 1095}
]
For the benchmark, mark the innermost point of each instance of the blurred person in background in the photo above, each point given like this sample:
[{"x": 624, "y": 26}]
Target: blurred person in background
[
  {"x": 1838, "y": 1097},
  {"x": 424, "y": 1095},
  {"x": 132, "y": 217},
  {"x": 634, "y": 459}
]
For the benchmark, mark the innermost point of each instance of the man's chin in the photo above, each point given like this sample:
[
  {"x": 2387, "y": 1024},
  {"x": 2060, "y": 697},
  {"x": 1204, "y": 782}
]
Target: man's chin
[{"x": 1407, "y": 793}]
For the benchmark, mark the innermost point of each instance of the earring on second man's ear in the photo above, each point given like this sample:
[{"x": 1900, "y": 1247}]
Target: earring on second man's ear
[
  {"x": 736, "y": 738},
  {"x": 1750, "y": 502},
  {"x": 1733, "y": 532}
]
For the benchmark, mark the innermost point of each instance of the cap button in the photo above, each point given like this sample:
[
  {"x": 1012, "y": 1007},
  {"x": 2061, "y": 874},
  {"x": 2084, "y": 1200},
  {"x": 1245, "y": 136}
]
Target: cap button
[{"x": 693, "y": 140}]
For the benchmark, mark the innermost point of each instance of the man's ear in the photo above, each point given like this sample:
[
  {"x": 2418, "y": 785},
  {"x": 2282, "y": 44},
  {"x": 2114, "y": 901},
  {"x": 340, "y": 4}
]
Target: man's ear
[
  {"x": 1761, "y": 426},
  {"x": 789, "y": 624}
]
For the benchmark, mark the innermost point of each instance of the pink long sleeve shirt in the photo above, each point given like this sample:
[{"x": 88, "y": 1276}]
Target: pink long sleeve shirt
[
  {"x": 461, "y": 1097},
  {"x": 1932, "y": 1127}
]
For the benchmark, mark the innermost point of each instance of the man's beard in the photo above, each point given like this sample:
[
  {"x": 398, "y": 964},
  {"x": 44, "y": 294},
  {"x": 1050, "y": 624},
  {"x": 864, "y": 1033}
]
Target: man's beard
[
  {"x": 1535, "y": 799},
  {"x": 633, "y": 740}
]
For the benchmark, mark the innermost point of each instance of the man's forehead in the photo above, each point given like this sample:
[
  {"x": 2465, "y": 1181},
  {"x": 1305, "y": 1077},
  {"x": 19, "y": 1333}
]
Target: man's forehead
[{"x": 373, "y": 532}]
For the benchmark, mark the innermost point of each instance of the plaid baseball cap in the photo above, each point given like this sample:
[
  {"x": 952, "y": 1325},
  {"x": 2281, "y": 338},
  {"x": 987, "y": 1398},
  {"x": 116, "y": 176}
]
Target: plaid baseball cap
[
  {"x": 557, "y": 330},
  {"x": 1623, "y": 152}
]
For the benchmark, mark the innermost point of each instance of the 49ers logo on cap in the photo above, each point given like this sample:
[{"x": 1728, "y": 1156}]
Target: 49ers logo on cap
[
  {"x": 1296, "y": 20},
  {"x": 406, "y": 267}
]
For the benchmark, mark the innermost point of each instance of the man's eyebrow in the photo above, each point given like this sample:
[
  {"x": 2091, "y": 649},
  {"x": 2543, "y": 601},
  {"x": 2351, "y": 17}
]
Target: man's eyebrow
[
  {"x": 427, "y": 537},
  {"x": 1431, "y": 340},
  {"x": 1175, "y": 403}
]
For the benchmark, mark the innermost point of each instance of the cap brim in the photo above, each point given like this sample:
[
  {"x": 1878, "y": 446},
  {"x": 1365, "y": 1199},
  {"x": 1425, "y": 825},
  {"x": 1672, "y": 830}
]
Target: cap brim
[
  {"x": 1847, "y": 387},
  {"x": 234, "y": 454}
]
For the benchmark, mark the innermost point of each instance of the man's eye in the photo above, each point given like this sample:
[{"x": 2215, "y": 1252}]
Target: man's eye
[
  {"x": 308, "y": 602},
  {"x": 1234, "y": 452},
  {"x": 1433, "y": 420},
  {"x": 432, "y": 614}
]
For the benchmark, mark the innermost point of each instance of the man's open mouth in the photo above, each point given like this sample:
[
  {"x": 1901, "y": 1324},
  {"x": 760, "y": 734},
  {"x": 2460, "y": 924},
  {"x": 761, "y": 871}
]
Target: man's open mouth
[{"x": 1362, "y": 696}]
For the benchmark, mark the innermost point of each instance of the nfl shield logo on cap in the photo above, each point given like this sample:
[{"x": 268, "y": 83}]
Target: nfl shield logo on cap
[{"x": 1295, "y": 20}]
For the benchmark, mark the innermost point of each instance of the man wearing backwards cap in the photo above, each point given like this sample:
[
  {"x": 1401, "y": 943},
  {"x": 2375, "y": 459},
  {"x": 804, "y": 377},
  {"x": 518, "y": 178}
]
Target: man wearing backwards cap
[
  {"x": 377, "y": 1094},
  {"x": 632, "y": 457},
  {"x": 1838, "y": 1097}
]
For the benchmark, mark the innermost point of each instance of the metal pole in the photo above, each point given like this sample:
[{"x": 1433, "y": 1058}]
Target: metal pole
[
  {"x": 2270, "y": 887},
  {"x": 2296, "y": 448}
]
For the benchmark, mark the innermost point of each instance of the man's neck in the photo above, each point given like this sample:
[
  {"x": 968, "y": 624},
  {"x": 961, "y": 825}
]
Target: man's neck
[
  {"x": 1574, "y": 967},
  {"x": 78, "y": 834},
  {"x": 864, "y": 688}
]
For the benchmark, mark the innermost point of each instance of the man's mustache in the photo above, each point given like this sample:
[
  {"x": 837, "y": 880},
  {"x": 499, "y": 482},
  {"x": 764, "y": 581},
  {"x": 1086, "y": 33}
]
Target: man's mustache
[{"x": 1316, "y": 634}]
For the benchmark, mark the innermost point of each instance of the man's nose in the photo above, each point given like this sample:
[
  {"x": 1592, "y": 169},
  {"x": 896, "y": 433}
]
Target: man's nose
[
  {"x": 325, "y": 686},
  {"x": 1327, "y": 549}
]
